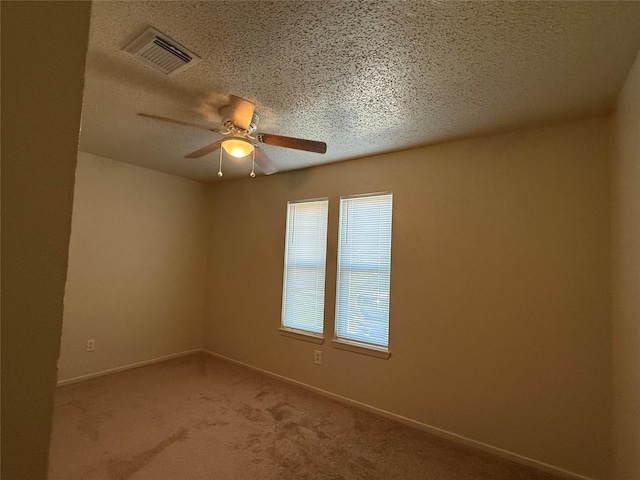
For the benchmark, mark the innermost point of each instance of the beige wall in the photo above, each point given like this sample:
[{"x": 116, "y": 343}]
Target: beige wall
[
  {"x": 626, "y": 280},
  {"x": 499, "y": 270},
  {"x": 41, "y": 105},
  {"x": 136, "y": 273},
  {"x": 500, "y": 288}
]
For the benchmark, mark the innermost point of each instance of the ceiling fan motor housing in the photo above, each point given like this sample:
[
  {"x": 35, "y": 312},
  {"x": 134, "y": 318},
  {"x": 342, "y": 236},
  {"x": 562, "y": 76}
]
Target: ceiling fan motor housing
[{"x": 225, "y": 117}]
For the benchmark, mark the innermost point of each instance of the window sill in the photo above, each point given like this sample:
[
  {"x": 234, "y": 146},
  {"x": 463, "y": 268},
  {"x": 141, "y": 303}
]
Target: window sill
[
  {"x": 361, "y": 348},
  {"x": 300, "y": 335}
]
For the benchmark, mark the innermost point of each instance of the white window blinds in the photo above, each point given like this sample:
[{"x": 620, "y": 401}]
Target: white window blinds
[
  {"x": 364, "y": 269},
  {"x": 304, "y": 266}
]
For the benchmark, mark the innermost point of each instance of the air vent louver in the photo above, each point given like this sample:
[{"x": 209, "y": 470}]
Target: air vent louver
[{"x": 161, "y": 53}]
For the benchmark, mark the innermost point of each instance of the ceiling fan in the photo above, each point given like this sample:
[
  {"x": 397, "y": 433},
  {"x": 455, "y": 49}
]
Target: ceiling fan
[{"x": 240, "y": 121}]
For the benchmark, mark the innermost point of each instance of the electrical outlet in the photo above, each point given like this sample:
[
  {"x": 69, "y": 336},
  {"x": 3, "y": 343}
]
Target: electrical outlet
[
  {"x": 317, "y": 357},
  {"x": 91, "y": 345}
]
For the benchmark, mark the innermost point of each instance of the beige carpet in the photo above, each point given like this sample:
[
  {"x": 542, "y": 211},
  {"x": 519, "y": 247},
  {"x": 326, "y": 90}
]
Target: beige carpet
[{"x": 199, "y": 417}]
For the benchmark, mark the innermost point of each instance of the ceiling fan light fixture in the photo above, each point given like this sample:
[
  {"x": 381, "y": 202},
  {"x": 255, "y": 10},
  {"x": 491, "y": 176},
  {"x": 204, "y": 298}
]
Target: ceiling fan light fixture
[{"x": 237, "y": 147}]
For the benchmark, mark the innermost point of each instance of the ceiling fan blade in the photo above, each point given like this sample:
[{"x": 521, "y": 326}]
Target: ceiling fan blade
[
  {"x": 290, "y": 142},
  {"x": 241, "y": 112},
  {"x": 264, "y": 163},
  {"x": 179, "y": 122},
  {"x": 212, "y": 147}
]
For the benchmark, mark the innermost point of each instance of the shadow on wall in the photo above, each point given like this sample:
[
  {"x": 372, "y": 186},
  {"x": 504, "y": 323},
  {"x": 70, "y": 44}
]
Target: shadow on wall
[{"x": 297, "y": 178}]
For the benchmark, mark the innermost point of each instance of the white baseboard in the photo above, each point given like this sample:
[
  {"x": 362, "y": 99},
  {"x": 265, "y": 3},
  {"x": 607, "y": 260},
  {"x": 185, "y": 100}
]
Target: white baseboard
[
  {"x": 126, "y": 367},
  {"x": 422, "y": 426}
]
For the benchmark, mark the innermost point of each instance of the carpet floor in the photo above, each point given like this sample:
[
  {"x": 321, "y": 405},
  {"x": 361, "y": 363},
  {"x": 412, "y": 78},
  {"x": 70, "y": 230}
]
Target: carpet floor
[{"x": 198, "y": 417}]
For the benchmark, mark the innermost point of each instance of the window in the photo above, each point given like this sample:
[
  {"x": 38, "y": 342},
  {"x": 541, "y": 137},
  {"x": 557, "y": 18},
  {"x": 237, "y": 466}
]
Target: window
[
  {"x": 364, "y": 270},
  {"x": 304, "y": 266}
]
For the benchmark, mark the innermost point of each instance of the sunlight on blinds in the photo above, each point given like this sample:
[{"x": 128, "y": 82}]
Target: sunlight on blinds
[
  {"x": 364, "y": 269},
  {"x": 304, "y": 266}
]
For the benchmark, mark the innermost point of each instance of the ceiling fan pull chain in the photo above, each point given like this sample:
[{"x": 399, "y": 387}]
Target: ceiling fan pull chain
[
  {"x": 253, "y": 163},
  {"x": 220, "y": 167}
]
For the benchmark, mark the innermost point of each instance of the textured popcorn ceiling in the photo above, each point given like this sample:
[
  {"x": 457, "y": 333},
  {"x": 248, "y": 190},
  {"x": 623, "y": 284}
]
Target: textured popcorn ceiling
[{"x": 364, "y": 77}]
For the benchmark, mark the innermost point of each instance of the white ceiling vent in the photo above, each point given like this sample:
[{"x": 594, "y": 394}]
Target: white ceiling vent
[{"x": 161, "y": 53}]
